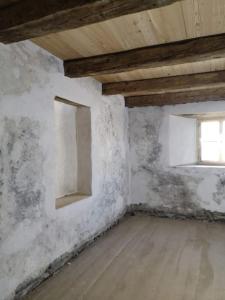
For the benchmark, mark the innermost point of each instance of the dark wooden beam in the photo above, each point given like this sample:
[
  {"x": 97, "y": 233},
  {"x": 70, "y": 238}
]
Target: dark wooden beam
[
  {"x": 187, "y": 51},
  {"x": 165, "y": 84},
  {"x": 5, "y": 3},
  {"x": 27, "y": 19},
  {"x": 217, "y": 94}
]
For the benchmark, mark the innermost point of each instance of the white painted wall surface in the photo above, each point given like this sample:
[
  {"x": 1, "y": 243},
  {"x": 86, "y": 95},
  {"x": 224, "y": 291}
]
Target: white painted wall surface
[
  {"x": 182, "y": 140},
  {"x": 32, "y": 232}
]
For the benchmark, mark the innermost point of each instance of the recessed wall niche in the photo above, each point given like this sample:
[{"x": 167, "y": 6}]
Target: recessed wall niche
[{"x": 73, "y": 151}]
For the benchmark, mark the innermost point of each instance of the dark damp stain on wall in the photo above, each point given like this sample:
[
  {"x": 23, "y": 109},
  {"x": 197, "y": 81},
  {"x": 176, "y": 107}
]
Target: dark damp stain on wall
[
  {"x": 219, "y": 195},
  {"x": 156, "y": 147},
  {"x": 23, "y": 162},
  {"x": 172, "y": 190},
  {"x": 1, "y": 185}
]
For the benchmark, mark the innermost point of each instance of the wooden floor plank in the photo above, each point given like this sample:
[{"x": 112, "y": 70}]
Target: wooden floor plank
[
  {"x": 146, "y": 258},
  {"x": 84, "y": 270}
]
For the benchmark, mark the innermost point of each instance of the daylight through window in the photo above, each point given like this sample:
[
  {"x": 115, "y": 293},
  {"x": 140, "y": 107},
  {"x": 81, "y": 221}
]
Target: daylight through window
[{"x": 212, "y": 141}]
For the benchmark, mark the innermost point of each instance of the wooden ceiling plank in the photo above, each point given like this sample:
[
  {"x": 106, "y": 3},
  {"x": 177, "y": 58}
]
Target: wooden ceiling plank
[
  {"x": 182, "y": 52},
  {"x": 24, "y": 20},
  {"x": 217, "y": 94},
  {"x": 166, "y": 84}
]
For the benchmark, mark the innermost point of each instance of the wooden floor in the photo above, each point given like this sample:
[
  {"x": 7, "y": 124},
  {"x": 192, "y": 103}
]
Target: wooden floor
[{"x": 145, "y": 258}]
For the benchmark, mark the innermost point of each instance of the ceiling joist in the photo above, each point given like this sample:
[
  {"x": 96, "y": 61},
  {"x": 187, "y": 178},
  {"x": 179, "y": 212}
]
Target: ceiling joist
[
  {"x": 187, "y": 51},
  {"x": 217, "y": 94},
  {"x": 166, "y": 84},
  {"x": 25, "y": 20}
]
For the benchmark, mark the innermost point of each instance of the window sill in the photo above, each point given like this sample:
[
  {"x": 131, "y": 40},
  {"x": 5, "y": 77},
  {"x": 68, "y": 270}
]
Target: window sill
[
  {"x": 211, "y": 166},
  {"x": 69, "y": 199}
]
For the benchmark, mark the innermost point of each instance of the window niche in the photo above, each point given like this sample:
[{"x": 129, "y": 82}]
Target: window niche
[
  {"x": 73, "y": 152},
  {"x": 197, "y": 139}
]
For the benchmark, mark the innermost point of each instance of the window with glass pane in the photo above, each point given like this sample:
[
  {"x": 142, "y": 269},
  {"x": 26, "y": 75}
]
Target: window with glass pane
[{"x": 212, "y": 141}]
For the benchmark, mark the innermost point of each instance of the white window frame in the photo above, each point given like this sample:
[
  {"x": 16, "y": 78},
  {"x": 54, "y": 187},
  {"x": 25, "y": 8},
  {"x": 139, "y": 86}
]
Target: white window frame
[{"x": 199, "y": 121}]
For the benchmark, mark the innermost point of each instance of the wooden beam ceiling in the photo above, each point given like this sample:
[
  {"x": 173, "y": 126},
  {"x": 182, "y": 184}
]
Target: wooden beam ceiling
[
  {"x": 187, "y": 51},
  {"x": 166, "y": 84},
  {"x": 53, "y": 16},
  {"x": 217, "y": 94},
  {"x": 25, "y": 20}
]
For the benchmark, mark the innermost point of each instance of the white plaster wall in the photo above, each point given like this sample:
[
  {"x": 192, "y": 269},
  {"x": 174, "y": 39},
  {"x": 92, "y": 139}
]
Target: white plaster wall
[
  {"x": 153, "y": 181},
  {"x": 182, "y": 140},
  {"x": 32, "y": 232}
]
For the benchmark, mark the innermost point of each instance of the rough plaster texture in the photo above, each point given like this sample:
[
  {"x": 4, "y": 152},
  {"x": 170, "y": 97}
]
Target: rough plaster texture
[
  {"x": 32, "y": 232},
  {"x": 156, "y": 185}
]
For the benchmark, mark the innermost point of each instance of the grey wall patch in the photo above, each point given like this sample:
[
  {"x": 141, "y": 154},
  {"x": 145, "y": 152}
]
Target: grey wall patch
[
  {"x": 176, "y": 192},
  {"x": 152, "y": 132},
  {"x": 23, "y": 163},
  {"x": 30, "y": 68},
  {"x": 219, "y": 195}
]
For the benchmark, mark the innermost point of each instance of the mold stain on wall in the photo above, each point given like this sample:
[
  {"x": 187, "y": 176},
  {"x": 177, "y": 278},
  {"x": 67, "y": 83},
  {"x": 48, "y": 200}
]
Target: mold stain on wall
[
  {"x": 23, "y": 163},
  {"x": 219, "y": 194},
  {"x": 165, "y": 188}
]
